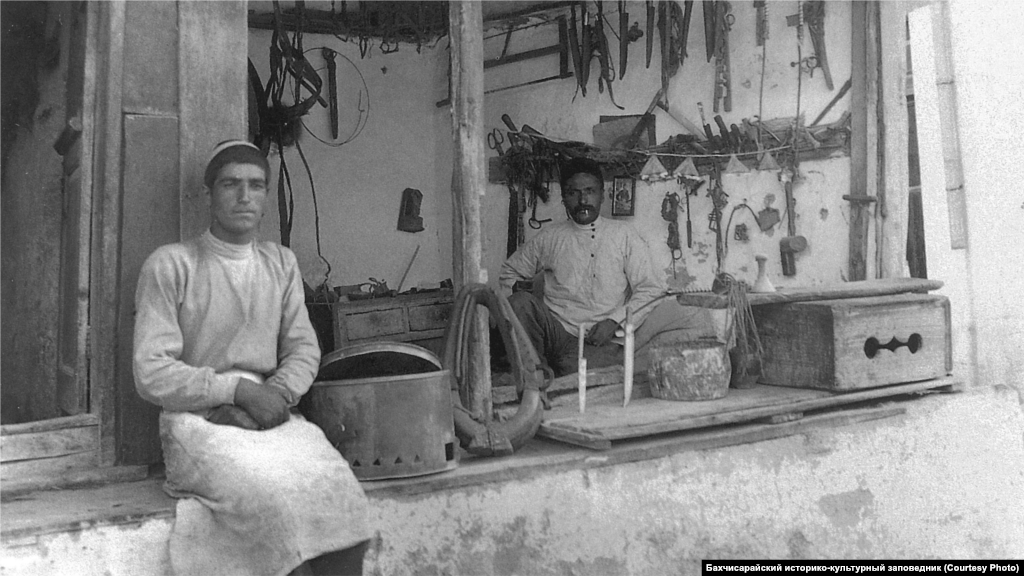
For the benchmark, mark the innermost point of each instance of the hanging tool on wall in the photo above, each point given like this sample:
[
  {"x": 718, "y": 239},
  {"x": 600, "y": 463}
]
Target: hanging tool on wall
[
  {"x": 643, "y": 122},
  {"x": 692, "y": 185},
  {"x": 812, "y": 14},
  {"x": 684, "y": 35},
  {"x": 762, "y": 21},
  {"x": 650, "y": 31},
  {"x": 516, "y": 206},
  {"x": 531, "y": 175},
  {"x": 673, "y": 26},
  {"x": 586, "y": 45},
  {"x": 710, "y": 11},
  {"x": 724, "y": 20},
  {"x": 604, "y": 56},
  {"x": 724, "y": 131},
  {"x": 719, "y": 200},
  {"x": 332, "y": 89},
  {"x": 623, "y": 38},
  {"x": 791, "y": 244},
  {"x": 712, "y": 140},
  {"x": 574, "y": 50},
  {"x": 664, "y": 29},
  {"x": 814, "y": 18},
  {"x": 670, "y": 213}
]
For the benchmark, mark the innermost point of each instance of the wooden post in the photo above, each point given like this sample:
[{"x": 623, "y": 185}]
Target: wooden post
[
  {"x": 893, "y": 208},
  {"x": 105, "y": 288},
  {"x": 469, "y": 181},
  {"x": 864, "y": 132},
  {"x": 946, "y": 87}
]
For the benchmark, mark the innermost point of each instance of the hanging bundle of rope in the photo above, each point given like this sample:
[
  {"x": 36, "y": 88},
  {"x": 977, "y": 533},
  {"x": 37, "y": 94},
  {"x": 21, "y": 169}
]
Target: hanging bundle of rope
[{"x": 747, "y": 351}]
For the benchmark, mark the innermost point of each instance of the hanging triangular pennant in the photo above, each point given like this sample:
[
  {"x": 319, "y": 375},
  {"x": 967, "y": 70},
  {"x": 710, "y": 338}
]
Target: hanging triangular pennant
[
  {"x": 735, "y": 166},
  {"x": 653, "y": 170},
  {"x": 768, "y": 162},
  {"x": 686, "y": 168}
]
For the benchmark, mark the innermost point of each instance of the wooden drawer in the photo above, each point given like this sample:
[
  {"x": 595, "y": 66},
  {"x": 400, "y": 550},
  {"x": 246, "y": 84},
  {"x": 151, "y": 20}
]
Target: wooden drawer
[
  {"x": 429, "y": 317},
  {"x": 855, "y": 343},
  {"x": 413, "y": 318},
  {"x": 375, "y": 324}
]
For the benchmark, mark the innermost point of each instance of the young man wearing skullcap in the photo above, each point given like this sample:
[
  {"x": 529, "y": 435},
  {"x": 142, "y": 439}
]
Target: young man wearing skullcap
[{"x": 223, "y": 343}]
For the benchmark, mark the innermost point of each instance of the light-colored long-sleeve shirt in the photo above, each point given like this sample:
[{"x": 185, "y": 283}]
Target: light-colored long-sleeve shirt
[
  {"x": 205, "y": 307},
  {"x": 590, "y": 272}
]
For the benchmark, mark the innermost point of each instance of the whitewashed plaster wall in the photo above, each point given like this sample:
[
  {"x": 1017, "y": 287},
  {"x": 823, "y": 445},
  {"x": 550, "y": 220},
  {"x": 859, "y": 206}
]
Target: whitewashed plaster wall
[
  {"x": 407, "y": 143},
  {"x": 988, "y": 321},
  {"x": 822, "y": 215}
]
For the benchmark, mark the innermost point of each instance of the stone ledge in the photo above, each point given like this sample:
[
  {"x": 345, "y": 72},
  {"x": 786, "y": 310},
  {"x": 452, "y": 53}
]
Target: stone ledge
[{"x": 28, "y": 516}]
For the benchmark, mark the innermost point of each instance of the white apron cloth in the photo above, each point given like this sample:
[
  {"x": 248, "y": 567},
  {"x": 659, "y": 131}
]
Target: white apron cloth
[{"x": 256, "y": 503}]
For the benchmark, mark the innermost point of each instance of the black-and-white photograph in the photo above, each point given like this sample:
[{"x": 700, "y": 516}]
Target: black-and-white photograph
[{"x": 517, "y": 288}]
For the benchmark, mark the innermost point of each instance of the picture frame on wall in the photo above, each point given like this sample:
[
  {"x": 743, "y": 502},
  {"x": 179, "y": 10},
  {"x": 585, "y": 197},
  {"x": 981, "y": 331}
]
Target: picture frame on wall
[{"x": 623, "y": 196}]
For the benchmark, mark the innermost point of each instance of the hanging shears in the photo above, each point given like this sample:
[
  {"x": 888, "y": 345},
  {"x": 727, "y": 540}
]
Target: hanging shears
[{"x": 495, "y": 141}]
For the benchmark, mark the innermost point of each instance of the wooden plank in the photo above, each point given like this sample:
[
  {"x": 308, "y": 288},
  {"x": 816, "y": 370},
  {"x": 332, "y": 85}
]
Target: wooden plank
[
  {"x": 103, "y": 118},
  {"x": 48, "y": 444},
  {"x": 894, "y": 183},
  {"x": 858, "y": 289},
  {"x": 595, "y": 377},
  {"x": 151, "y": 71},
  {"x": 586, "y": 439},
  {"x": 78, "y": 420},
  {"x": 150, "y": 203},
  {"x": 73, "y": 311},
  {"x": 858, "y": 142},
  {"x": 946, "y": 89},
  {"x": 649, "y": 416},
  {"x": 213, "y": 48},
  {"x": 44, "y": 467},
  {"x": 69, "y": 479}
]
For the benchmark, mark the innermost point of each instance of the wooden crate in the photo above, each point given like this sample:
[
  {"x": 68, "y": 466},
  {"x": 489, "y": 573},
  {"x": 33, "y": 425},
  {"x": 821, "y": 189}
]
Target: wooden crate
[
  {"x": 417, "y": 318},
  {"x": 855, "y": 343}
]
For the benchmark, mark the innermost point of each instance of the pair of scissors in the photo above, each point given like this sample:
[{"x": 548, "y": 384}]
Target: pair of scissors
[{"x": 495, "y": 140}]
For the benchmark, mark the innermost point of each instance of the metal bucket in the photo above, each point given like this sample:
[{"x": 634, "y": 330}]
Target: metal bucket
[
  {"x": 697, "y": 370},
  {"x": 386, "y": 406}
]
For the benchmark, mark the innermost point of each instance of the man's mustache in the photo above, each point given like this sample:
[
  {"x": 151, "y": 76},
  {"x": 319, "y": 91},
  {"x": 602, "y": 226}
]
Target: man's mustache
[{"x": 583, "y": 207}]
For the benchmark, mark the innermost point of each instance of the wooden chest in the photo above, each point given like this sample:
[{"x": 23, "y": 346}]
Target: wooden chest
[
  {"x": 855, "y": 343},
  {"x": 417, "y": 318}
]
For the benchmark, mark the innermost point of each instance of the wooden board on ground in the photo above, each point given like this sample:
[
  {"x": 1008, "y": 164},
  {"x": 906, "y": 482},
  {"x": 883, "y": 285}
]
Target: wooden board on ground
[
  {"x": 606, "y": 420},
  {"x": 859, "y": 289},
  {"x": 596, "y": 377}
]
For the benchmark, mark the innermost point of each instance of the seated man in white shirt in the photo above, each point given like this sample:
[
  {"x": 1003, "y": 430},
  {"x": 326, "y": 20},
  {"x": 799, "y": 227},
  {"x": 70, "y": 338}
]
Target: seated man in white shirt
[
  {"x": 224, "y": 345},
  {"x": 593, "y": 268}
]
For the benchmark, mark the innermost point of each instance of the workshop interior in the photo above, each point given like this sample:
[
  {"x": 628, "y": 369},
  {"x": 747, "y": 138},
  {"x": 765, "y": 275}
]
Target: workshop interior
[
  {"x": 833, "y": 184},
  {"x": 736, "y": 137}
]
